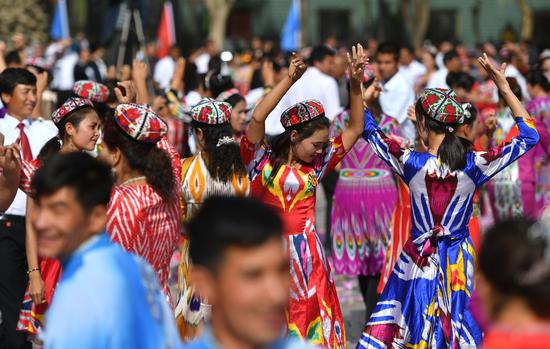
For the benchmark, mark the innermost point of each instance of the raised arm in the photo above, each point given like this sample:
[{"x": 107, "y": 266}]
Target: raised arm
[
  {"x": 493, "y": 161},
  {"x": 256, "y": 128},
  {"x": 356, "y": 62},
  {"x": 139, "y": 76}
]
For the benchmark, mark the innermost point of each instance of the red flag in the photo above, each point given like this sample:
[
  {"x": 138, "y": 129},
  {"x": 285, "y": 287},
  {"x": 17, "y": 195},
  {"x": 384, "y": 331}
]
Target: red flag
[{"x": 166, "y": 33}]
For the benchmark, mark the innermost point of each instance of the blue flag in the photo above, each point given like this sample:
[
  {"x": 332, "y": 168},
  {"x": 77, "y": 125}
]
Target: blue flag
[
  {"x": 60, "y": 22},
  {"x": 290, "y": 36}
]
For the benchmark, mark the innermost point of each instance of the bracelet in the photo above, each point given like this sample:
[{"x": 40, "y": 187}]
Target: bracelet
[{"x": 32, "y": 270}]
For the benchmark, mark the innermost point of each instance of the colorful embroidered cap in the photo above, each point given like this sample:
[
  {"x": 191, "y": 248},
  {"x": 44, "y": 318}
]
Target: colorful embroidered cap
[
  {"x": 94, "y": 91},
  {"x": 302, "y": 112},
  {"x": 140, "y": 122},
  {"x": 224, "y": 96},
  {"x": 441, "y": 105},
  {"x": 211, "y": 112},
  {"x": 69, "y": 106}
]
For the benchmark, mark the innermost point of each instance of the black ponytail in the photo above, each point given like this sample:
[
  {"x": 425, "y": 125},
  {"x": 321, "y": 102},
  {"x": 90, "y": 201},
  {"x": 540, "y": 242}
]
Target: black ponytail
[
  {"x": 453, "y": 150},
  {"x": 223, "y": 161},
  {"x": 154, "y": 162}
]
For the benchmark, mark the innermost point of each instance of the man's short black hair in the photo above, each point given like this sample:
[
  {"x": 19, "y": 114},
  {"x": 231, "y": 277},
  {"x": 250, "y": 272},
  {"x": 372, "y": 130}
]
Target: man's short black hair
[
  {"x": 91, "y": 179},
  {"x": 452, "y": 54},
  {"x": 13, "y": 57},
  {"x": 460, "y": 80},
  {"x": 223, "y": 222},
  {"x": 409, "y": 48},
  {"x": 11, "y": 77},
  {"x": 319, "y": 54},
  {"x": 389, "y": 47}
]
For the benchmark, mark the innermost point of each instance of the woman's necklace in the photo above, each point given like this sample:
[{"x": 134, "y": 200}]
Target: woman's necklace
[{"x": 133, "y": 180}]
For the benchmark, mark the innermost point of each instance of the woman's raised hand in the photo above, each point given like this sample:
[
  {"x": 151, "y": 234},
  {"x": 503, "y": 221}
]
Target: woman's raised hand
[
  {"x": 296, "y": 68},
  {"x": 496, "y": 74},
  {"x": 357, "y": 62}
]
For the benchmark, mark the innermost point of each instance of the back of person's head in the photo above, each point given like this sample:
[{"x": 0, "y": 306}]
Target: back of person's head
[
  {"x": 514, "y": 259},
  {"x": 515, "y": 87},
  {"x": 319, "y": 54},
  {"x": 13, "y": 59},
  {"x": 461, "y": 80},
  {"x": 227, "y": 222},
  {"x": 452, "y": 54},
  {"x": 389, "y": 48},
  {"x": 11, "y": 77},
  {"x": 191, "y": 78},
  {"x": 453, "y": 149},
  {"x": 536, "y": 77},
  {"x": 90, "y": 179},
  {"x": 217, "y": 83}
]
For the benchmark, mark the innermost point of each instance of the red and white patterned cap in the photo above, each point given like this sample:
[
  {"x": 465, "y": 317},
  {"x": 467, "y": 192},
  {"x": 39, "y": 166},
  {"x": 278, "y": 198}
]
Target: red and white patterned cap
[
  {"x": 302, "y": 112},
  {"x": 211, "y": 112},
  {"x": 140, "y": 122},
  {"x": 94, "y": 91},
  {"x": 441, "y": 105},
  {"x": 69, "y": 106}
]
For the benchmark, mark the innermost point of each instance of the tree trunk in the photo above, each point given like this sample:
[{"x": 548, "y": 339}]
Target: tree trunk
[
  {"x": 526, "y": 20},
  {"x": 218, "y": 11},
  {"x": 416, "y": 19}
]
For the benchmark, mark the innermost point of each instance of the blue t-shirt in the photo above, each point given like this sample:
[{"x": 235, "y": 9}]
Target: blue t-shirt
[
  {"x": 207, "y": 341},
  {"x": 108, "y": 298}
]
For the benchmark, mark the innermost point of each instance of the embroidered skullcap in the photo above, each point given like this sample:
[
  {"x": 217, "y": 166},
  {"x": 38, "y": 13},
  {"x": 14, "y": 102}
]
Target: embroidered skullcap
[
  {"x": 225, "y": 95},
  {"x": 94, "y": 91},
  {"x": 69, "y": 106},
  {"x": 211, "y": 112},
  {"x": 441, "y": 105},
  {"x": 302, "y": 112},
  {"x": 140, "y": 122}
]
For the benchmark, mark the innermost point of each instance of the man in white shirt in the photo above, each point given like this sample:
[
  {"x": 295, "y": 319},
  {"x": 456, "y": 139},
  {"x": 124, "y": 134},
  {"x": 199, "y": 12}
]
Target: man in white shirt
[
  {"x": 451, "y": 64},
  {"x": 18, "y": 93},
  {"x": 397, "y": 93},
  {"x": 316, "y": 83},
  {"x": 410, "y": 68},
  {"x": 164, "y": 69}
]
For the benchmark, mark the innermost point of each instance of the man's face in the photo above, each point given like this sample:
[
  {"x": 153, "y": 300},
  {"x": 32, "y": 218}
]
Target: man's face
[
  {"x": 62, "y": 225},
  {"x": 405, "y": 56},
  {"x": 326, "y": 66},
  {"x": 387, "y": 65},
  {"x": 22, "y": 101},
  {"x": 250, "y": 292},
  {"x": 454, "y": 65}
]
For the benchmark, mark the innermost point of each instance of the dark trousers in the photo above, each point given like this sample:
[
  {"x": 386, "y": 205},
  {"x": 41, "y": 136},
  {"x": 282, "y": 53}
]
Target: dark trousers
[
  {"x": 368, "y": 286},
  {"x": 13, "y": 280}
]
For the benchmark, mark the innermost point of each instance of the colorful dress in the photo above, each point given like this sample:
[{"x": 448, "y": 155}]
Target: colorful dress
[
  {"x": 364, "y": 200},
  {"x": 539, "y": 108},
  {"x": 144, "y": 223},
  {"x": 197, "y": 184},
  {"x": 425, "y": 303},
  {"x": 314, "y": 310},
  {"x": 31, "y": 316}
]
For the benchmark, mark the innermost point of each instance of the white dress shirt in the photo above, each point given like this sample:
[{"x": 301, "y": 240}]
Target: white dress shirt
[
  {"x": 396, "y": 97},
  {"x": 314, "y": 84},
  {"x": 438, "y": 79},
  {"x": 38, "y": 132},
  {"x": 412, "y": 71},
  {"x": 164, "y": 69}
]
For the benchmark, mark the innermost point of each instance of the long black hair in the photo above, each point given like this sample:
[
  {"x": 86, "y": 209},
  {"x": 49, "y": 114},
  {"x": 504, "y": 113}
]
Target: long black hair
[
  {"x": 224, "y": 160},
  {"x": 53, "y": 146},
  {"x": 146, "y": 157},
  {"x": 453, "y": 150},
  {"x": 280, "y": 145}
]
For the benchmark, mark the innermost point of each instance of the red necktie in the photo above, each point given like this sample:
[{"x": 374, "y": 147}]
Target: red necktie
[{"x": 24, "y": 141}]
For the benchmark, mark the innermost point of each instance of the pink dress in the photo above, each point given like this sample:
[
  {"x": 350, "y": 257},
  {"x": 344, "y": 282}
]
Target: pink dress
[{"x": 364, "y": 201}]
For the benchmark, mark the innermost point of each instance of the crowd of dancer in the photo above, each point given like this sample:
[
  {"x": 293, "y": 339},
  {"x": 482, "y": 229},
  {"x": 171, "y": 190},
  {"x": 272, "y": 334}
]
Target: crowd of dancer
[{"x": 427, "y": 158}]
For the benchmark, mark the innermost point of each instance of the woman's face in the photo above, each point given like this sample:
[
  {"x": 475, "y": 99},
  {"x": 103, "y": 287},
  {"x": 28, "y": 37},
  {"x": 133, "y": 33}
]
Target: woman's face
[
  {"x": 238, "y": 117},
  {"x": 85, "y": 135},
  {"x": 309, "y": 148}
]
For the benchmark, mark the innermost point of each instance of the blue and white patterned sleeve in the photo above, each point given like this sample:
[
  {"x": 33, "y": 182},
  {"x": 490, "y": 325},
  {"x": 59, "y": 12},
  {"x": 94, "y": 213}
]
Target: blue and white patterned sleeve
[
  {"x": 386, "y": 148},
  {"x": 491, "y": 162}
]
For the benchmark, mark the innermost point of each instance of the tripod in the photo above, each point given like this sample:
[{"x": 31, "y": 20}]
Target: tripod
[{"x": 130, "y": 17}]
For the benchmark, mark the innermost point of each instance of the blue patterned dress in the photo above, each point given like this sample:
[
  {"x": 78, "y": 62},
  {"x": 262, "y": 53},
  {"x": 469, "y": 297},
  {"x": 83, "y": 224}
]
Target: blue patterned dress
[{"x": 425, "y": 303}]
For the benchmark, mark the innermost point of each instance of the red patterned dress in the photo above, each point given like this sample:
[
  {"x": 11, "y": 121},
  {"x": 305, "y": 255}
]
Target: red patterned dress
[
  {"x": 314, "y": 310},
  {"x": 145, "y": 224}
]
